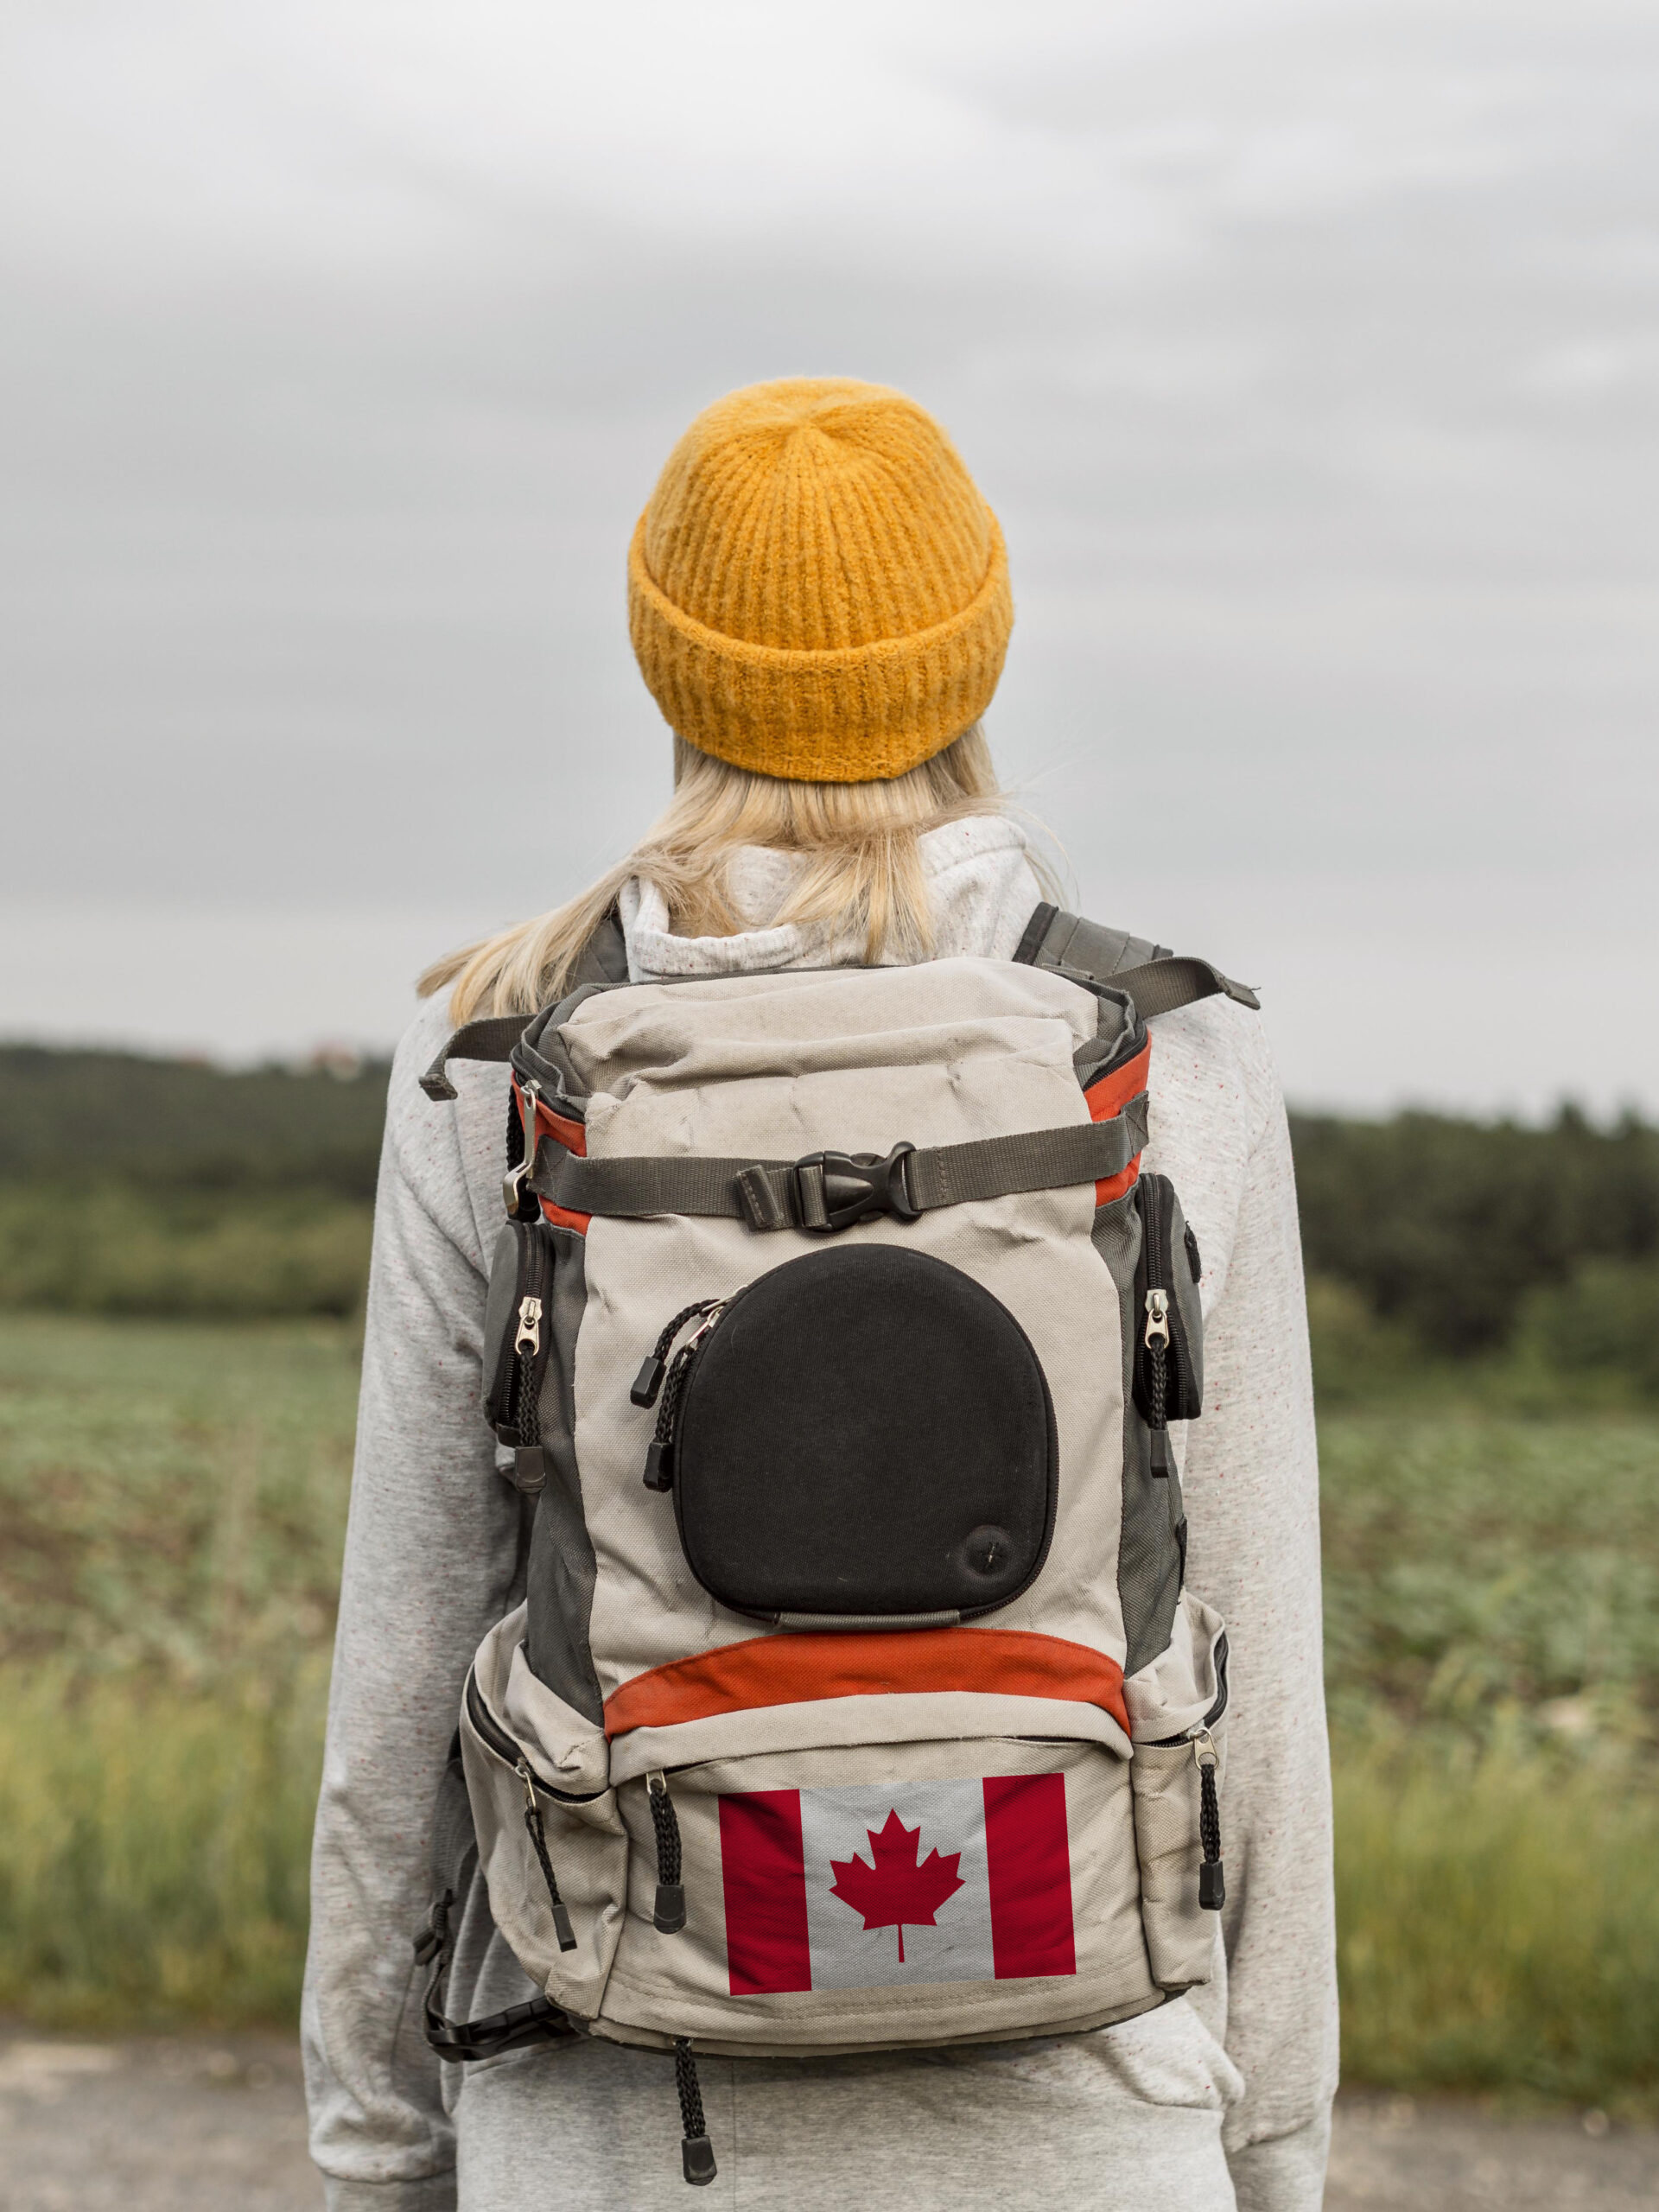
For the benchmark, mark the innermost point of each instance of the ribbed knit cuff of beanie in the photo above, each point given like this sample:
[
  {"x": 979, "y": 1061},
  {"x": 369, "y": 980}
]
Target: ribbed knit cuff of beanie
[{"x": 817, "y": 590}]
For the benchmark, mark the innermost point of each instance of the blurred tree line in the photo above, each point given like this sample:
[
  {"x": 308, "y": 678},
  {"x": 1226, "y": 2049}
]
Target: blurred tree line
[
  {"x": 1455, "y": 1239},
  {"x": 137, "y": 1185},
  {"x": 133, "y": 1184}
]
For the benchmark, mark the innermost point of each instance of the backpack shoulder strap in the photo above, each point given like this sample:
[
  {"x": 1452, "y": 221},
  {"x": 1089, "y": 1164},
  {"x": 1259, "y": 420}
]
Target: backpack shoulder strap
[
  {"x": 603, "y": 965},
  {"x": 1157, "y": 980}
]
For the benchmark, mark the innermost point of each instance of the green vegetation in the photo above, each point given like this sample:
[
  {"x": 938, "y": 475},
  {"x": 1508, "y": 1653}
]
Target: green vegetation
[
  {"x": 1492, "y": 1661},
  {"x": 1498, "y": 1924},
  {"x": 172, "y": 1507}
]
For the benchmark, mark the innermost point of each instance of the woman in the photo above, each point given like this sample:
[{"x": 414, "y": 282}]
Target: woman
[{"x": 819, "y": 603}]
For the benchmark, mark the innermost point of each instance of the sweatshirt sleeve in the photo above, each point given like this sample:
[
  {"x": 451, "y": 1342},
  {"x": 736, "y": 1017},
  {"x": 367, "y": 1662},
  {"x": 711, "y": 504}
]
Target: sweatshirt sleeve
[
  {"x": 431, "y": 1549},
  {"x": 1252, "y": 1490}
]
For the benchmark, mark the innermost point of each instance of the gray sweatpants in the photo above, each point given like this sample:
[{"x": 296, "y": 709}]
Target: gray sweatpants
[{"x": 1128, "y": 2117}]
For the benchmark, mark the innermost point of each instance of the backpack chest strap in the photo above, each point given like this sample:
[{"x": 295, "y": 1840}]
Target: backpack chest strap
[{"x": 832, "y": 1191}]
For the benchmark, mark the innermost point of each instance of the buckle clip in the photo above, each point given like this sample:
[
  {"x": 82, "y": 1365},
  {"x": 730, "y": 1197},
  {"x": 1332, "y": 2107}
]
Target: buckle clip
[{"x": 854, "y": 1185}]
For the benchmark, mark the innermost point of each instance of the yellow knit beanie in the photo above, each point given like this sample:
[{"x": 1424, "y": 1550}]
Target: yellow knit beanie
[{"x": 817, "y": 590}]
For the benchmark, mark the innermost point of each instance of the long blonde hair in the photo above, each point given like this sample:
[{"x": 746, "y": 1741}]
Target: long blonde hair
[{"x": 859, "y": 842}]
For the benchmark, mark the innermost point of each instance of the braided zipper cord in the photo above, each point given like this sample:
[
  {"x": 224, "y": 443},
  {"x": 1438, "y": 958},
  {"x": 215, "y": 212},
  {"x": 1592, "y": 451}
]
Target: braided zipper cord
[
  {"x": 1209, "y": 1813},
  {"x": 673, "y": 1390},
  {"x": 561, "y": 1927},
  {"x": 1159, "y": 1352},
  {"x": 660, "y": 1351},
  {"x": 539, "y": 1837},
  {"x": 527, "y": 1413},
  {"x": 666, "y": 1823},
  {"x": 685, "y": 2081}
]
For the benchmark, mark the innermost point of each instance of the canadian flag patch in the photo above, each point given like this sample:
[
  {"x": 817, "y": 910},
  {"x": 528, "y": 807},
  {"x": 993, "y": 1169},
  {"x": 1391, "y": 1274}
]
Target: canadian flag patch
[{"x": 915, "y": 1881}]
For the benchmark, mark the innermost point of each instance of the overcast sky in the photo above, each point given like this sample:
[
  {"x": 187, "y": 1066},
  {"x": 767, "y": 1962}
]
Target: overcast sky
[{"x": 1309, "y": 353}]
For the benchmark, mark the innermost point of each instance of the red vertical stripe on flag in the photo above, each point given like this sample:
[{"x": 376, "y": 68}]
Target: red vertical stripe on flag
[
  {"x": 764, "y": 1870},
  {"x": 1029, "y": 1861}
]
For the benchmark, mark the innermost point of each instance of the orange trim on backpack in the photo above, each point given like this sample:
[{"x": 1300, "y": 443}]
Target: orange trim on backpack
[
  {"x": 799, "y": 1668},
  {"x": 574, "y": 1137},
  {"x": 1107, "y": 1100}
]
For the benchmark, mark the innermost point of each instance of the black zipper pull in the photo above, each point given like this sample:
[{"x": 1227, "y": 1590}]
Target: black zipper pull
[
  {"x": 697, "y": 2151},
  {"x": 1212, "y": 1881},
  {"x": 659, "y": 1453},
  {"x": 1156, "y": 1340},
  {"x": 668, "y": 1913},
  {"x": 529, "y": 1461},
  {"x": 561, "y": 1927},
  {"x": 649, "y": 1380}
]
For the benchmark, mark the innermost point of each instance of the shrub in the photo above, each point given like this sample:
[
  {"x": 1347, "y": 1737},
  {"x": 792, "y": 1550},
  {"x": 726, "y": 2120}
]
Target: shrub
[{"x": 1607, "y": 1319}]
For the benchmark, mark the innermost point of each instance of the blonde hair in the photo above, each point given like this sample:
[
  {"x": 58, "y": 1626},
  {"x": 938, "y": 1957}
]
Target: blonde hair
[{"x": 859, "y": 842}]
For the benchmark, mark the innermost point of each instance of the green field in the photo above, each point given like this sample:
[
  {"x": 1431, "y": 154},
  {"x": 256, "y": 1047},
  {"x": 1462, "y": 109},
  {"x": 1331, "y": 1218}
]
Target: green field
[{"x": 172, "y": 1503}]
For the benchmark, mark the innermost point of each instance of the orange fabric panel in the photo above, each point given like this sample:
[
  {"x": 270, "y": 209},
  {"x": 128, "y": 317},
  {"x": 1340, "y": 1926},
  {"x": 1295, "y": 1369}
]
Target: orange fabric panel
[
  {"x": 1107, "y": 1099},
  {"x": 574, "y": 1137},
  {"x": 793, "y": 1668},
  {"x": 1113, "y": 1186}
]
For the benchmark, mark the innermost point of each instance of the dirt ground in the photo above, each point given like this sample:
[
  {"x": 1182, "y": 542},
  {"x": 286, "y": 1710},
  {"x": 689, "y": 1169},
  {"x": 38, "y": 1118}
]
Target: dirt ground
[{"x": 177, "y": 2125}]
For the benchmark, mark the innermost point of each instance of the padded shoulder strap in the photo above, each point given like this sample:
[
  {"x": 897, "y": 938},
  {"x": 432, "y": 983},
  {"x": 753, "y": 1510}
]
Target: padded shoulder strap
[
  {"x": 603, "y": 965},
  {"x": 1158, "y": 981}
]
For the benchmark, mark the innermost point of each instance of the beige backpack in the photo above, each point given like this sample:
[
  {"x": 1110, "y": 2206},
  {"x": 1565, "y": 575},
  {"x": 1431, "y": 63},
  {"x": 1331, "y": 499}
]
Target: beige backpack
[{"x": 855, "y": 1699}]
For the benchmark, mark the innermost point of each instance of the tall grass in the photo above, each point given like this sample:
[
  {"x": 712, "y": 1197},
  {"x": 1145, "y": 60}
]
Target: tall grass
[
  {"x": 1498, "y": 1921},
  {"x": 156, "y": 1848}
]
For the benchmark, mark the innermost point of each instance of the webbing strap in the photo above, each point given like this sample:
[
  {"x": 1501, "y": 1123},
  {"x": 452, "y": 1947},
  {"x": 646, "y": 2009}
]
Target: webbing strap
[
  {"x": 454, "y": 1865},
  {"x": 601, "y": 965},
  {"x": 830, "y": 1189},
  {"x": 1158, "y": 981},
  {"x": 491, "y": 1038},
  {"x": 1163, "y": 986}
]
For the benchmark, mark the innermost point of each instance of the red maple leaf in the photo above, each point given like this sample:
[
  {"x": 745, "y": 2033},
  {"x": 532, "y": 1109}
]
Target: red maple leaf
[{"x": 897, "y": 1886}]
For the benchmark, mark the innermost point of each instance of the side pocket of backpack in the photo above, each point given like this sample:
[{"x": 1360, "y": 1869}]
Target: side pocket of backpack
[
  {"x": 1177, "y": 1710},
  {"x": 552, "y": 1846},
  {"x": 1150, "y": 1563}
]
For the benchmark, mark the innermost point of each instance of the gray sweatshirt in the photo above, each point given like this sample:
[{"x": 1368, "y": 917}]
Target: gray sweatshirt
[{"x": 1220, "y": 2096}]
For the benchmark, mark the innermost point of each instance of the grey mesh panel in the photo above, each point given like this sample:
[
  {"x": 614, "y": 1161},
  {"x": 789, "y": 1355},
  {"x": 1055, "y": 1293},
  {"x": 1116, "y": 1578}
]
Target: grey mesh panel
[
  {"x": 563, "y": 1572},
  {"x": 1149, "y": 1558}
]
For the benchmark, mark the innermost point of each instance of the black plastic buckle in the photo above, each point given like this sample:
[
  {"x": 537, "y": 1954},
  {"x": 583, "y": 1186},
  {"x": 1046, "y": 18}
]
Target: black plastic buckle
[{"x": 856, "y": 1185}]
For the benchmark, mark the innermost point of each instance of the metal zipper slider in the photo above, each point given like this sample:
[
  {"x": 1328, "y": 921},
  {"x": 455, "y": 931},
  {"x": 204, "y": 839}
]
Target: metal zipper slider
[
  {"x": 513, "y": 1182},
  {"x": 714, "y": 1312},
  {"x": 530, "y": 1325},
  {"x": 1157, "y": 1316}
]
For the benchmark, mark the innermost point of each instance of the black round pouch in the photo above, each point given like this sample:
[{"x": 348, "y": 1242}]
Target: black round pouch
[{"x": 865, "y": 1439}]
